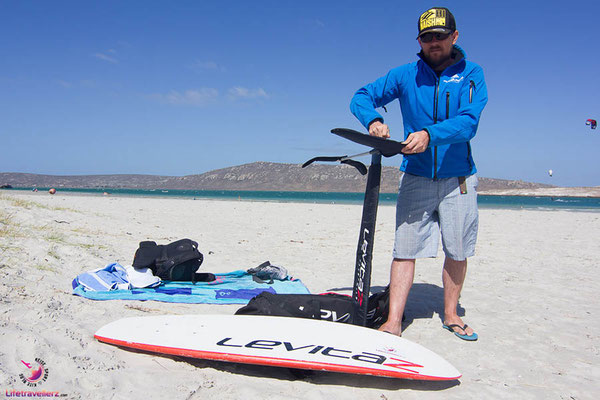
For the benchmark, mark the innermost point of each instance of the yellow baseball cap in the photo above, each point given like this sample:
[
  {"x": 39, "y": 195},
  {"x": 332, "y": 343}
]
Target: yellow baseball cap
[{"x": 437, "y": 19}]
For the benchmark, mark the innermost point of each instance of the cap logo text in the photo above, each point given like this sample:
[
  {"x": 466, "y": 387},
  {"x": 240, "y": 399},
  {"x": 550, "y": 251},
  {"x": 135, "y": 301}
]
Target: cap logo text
[{"x": 432, "y": 18}]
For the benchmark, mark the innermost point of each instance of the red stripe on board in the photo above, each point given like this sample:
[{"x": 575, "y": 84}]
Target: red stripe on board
[{"x": 271, "y": 361}]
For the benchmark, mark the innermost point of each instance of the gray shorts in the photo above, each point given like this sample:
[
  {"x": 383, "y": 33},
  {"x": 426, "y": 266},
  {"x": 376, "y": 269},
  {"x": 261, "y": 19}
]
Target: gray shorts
[{"x": 427, "y": 207}]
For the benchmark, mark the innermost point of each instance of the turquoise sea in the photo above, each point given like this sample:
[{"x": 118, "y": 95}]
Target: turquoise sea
[{"x": 485, "y": 201}]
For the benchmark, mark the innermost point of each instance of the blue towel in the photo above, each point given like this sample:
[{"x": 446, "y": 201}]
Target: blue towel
[{"x": 236, "y": 287}]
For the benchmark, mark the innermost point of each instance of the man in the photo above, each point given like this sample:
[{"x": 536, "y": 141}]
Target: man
[{"x": 441, "y": 97}]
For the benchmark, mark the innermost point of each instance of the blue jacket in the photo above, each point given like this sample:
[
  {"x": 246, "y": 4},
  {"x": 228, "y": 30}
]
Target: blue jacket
[{"x": 448, "y": 107}]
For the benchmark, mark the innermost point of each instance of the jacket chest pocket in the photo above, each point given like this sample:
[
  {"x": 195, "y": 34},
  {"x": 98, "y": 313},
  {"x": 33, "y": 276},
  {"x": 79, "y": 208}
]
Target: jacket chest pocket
[{"x": 448, "y": 98}]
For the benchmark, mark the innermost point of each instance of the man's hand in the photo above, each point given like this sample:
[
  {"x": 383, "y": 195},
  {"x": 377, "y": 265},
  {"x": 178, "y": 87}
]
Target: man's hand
[
  {"x": 416, "y": 142},
  {"x": 379, "y": 129}
]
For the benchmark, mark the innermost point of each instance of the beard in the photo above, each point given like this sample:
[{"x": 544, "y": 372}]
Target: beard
[{"x": 437, "y": 58}]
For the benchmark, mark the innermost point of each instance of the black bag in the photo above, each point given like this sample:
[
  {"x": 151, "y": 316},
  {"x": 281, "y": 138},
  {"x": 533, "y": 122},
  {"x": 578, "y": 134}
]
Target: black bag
[
  {"x": 177, "y": 261},
  {"x": 330, "y": 307}
]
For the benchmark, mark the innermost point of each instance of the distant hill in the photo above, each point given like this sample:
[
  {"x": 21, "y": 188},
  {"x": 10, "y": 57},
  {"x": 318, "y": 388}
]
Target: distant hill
[{"x": 261, "y": 176}]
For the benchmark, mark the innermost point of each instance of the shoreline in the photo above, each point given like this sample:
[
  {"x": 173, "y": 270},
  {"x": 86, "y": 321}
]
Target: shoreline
[
  {"x": 581, "y": 192},
  {"x": 486, "y": 201},
  {"x": 578, "y": 192}
]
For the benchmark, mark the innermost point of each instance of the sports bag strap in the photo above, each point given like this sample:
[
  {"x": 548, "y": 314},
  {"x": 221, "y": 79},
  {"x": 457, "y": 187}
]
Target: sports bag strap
[
  {"x": 204, "y": 277},
  {"x": 162, "y": 261}
]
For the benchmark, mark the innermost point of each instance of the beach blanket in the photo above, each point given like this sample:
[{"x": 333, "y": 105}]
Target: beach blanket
[{"x": 236, "y": 287}]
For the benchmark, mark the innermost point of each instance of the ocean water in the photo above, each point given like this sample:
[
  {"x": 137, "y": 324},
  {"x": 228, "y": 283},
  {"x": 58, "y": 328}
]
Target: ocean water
[{"x": 485, "y": 201}]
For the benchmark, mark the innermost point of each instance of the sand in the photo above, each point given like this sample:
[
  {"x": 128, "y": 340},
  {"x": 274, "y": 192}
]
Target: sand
[{"x": 531, "y": 294}]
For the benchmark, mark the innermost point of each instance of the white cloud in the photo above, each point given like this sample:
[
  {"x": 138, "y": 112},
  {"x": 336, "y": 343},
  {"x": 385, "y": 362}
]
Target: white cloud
[
  {"x": 204, "y": 96},
  {"x": 239, "y": 92},
  {"x": 104, "y": 57},
  {"x": 198, "y": 97}
]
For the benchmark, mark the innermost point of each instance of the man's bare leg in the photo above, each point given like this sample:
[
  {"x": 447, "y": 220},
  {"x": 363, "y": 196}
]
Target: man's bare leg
[
  {"x": 402, "y": 273},
  {"x": 453, "y": 278}
]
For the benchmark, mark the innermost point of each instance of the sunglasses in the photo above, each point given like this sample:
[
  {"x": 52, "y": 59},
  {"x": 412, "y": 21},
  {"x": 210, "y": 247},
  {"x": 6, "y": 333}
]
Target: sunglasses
[{"x": 428, "y": 37}]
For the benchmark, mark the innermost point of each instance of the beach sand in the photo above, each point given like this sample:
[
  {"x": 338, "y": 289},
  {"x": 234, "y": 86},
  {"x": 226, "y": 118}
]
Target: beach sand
[{"x": 531, "y": 293}]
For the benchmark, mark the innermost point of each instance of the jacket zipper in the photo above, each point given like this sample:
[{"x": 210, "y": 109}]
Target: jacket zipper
[
  {"x": 471, "y": 87},
  {"x": 435, "y": 110}
]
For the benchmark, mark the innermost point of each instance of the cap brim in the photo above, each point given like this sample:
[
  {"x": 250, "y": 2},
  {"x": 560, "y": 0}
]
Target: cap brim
[{"x": 435, "y": 30}]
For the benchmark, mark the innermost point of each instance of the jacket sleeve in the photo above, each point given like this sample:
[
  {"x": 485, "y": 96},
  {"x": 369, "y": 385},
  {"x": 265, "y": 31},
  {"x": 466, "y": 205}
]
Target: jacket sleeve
[
  {"x": 463, "y": 126},
  {"x": 376, "y": 94}
]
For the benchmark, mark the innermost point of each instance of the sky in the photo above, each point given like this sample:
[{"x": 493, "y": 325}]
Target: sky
[{"x": 184, "y": 87}]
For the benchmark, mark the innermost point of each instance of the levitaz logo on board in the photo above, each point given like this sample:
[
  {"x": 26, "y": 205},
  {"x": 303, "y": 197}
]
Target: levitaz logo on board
[{"x": 328, "y": 351}]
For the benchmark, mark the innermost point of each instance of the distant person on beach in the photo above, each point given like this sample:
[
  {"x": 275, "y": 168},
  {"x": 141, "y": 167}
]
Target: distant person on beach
[{"x": 441, "y": 97}]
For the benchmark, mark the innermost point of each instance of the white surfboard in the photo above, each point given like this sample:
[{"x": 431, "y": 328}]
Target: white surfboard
[{"x": 282, "y": 342}]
